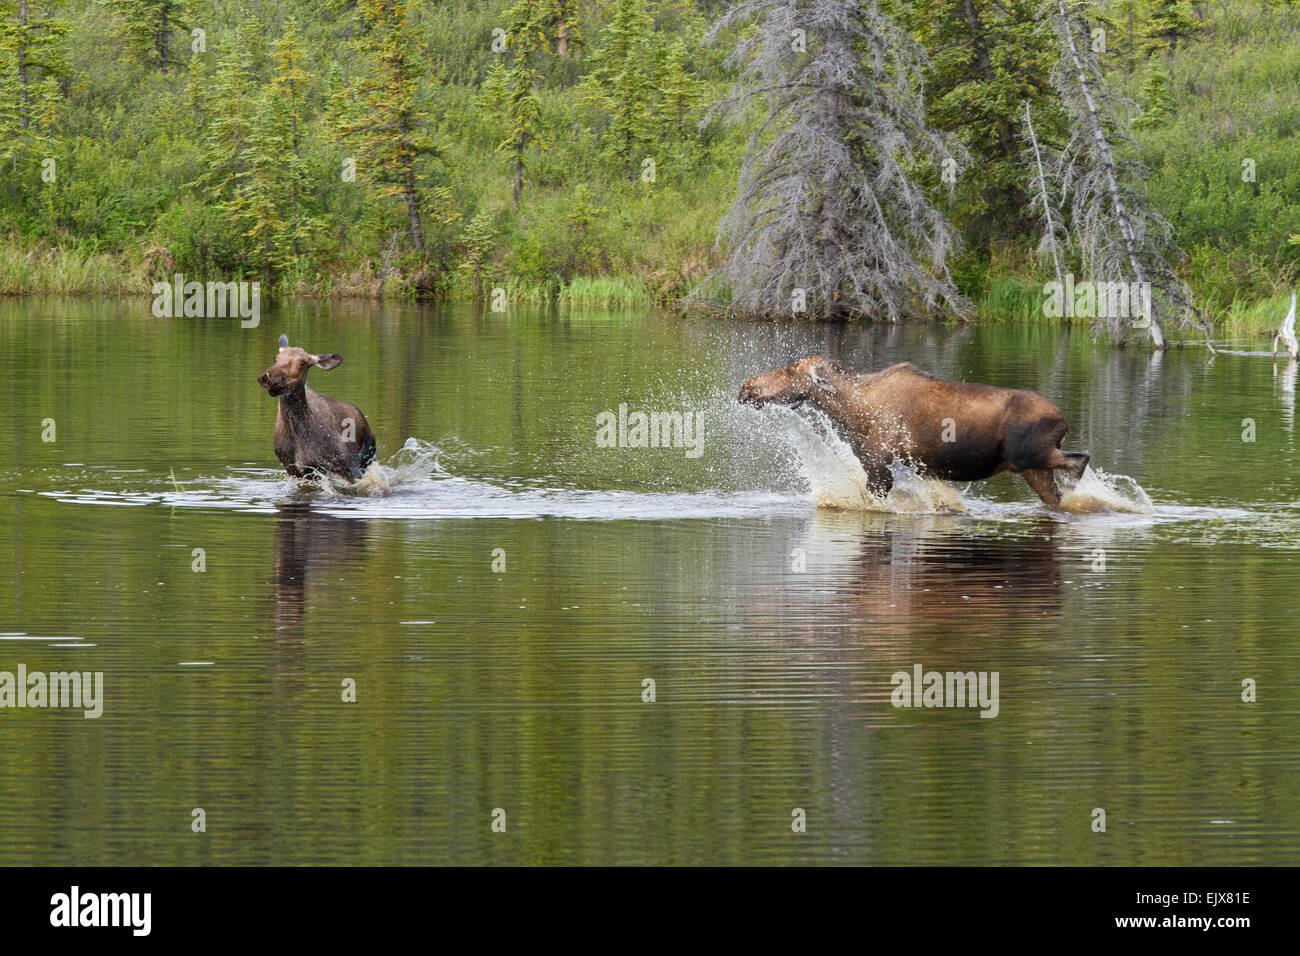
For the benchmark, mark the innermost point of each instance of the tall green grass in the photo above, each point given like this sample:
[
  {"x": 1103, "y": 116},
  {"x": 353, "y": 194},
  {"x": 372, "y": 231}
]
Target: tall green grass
[
  {"x": 604, "y": 292},
  {"x": 1011, "y": 298},
  {"x": 614, "y": 292},
  {"x": 1259, "y": 319},
  {"x": 46, "y": 270},
  {"x": 42, "y": 269}
]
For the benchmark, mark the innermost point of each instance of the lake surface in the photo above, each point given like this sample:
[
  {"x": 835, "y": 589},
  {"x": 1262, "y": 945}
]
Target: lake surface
[{"x": 500, "y": 590}]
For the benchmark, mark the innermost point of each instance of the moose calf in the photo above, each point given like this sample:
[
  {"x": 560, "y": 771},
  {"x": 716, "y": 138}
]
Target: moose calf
[{"x": 315, "y": 434}]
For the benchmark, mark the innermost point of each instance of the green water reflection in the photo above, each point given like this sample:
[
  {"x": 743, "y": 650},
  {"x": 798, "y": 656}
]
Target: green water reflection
[{"x": 522, "y": 689}]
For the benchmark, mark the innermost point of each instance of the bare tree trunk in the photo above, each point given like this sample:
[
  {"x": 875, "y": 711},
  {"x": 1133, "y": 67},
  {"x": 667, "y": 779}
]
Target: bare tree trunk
[
  {"x": 1047, "y": 204},
  {"x": 562, "y": 33},
  {"x": 386, "y": 258},
  {"x": 1098, "y": 134}
]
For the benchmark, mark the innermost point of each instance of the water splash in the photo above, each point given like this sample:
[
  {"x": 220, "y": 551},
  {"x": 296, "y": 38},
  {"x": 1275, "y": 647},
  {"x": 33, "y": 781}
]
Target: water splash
[
  {"x": 836, "y": 480},
  {"x": 1098, "y": 491},
  {"x": 415, "y": 461},
  {"x": 780, "y": 460}
]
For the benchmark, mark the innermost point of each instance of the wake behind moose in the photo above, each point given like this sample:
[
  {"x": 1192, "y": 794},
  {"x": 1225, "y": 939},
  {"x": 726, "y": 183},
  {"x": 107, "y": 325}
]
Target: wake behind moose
[
  {"x": 315, "y": 435},
  {"x": 956, "y": 431}
]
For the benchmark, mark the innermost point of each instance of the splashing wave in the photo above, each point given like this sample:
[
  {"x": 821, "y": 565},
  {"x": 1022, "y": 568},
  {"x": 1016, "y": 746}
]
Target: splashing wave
[
  {"x": 836, "y": 479},
  {"x": 1098, "y": 491},
  {"x": 415, "y": 461}
]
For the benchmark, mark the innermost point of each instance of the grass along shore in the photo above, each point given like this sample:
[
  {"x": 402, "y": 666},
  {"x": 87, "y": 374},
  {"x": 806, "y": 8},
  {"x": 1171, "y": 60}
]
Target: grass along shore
[{"x": 49, "y": 270}]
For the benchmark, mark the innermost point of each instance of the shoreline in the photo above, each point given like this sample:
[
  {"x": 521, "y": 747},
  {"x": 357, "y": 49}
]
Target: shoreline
[{"x": 1006, "y": 297}]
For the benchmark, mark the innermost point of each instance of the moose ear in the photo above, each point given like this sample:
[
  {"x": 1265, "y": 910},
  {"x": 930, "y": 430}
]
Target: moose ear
[
  {"x": 818, "y": 376},
  {"x": 327, "y": 361},
  {"x": 284, "y": 341}
]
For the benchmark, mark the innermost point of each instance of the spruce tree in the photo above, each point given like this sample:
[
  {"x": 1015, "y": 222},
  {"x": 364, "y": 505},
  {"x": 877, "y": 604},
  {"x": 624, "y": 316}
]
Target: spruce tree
[
  {"x": 267, "y": 205},
  {"x": 511, "y": 87},
  {"x": 385, "y": 117},
  {"x": 640, "y": 86},
  {"x": 1169, "y": 21},
  {"x": 1126, "y": 24},
  {"x": 231, "y": 99},
  {"x": 151, "y": 28},
  {"x": 33, "y": 57},
  {"x": 828, "y": 212},
  {"x": 289, "y": 87},
  {"x": 1157, "y": 97},
  {"x": 987, "y": 59}
]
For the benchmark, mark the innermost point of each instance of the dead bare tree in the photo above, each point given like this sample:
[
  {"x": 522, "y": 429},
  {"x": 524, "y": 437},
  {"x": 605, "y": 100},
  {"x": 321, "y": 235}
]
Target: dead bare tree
[
  {"x": 828, "y": 213},
  {"x": 1043, "y": 203},
  {"x": 1120, "y": 237}
]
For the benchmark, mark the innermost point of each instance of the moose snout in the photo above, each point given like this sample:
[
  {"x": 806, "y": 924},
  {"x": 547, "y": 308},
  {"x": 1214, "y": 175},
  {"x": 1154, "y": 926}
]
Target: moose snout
[{"x": 274, "y": 386}]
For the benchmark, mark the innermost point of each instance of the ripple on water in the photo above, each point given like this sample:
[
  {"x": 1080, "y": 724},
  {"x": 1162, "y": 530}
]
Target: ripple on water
[{"x": 413, "y": 484}]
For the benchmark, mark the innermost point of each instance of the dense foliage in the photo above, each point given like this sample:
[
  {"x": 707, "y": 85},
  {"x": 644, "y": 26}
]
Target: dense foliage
[{"x": 403, "y": 146}]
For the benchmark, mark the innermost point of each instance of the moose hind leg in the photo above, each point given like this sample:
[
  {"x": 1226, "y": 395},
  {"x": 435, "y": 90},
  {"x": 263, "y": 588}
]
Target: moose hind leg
[{"x": 1044, "y": 483}]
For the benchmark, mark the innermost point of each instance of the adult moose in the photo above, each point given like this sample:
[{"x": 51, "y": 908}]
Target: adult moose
[
  {"x": 950, "y": 430},
  {"x": 313, "y": 432}
]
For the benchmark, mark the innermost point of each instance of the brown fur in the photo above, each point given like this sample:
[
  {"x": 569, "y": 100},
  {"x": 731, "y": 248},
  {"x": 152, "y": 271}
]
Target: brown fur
[
  {"x": 903, "y": 412},
  {"x": 311, "y": 432}
]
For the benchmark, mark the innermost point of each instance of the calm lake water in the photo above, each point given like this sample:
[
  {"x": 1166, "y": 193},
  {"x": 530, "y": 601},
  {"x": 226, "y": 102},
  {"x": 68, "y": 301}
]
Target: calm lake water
[{"x": 771, "y": 627}]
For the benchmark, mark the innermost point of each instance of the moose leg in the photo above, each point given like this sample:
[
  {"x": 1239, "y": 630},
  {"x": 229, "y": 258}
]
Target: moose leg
[
  {"x": 880, "y": 479},
  {"x": 1044, "y": 482}
]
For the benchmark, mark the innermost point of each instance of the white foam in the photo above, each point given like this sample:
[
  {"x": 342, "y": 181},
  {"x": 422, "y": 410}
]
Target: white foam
[
  {"x": 1098, "y": 491},
  {"x": 836, "y": 479},
  {"x": 415, "y": 461}
]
